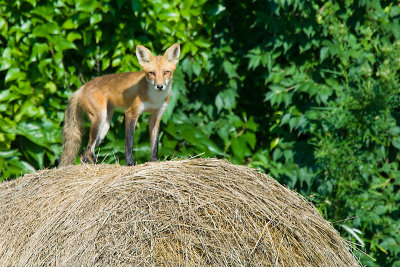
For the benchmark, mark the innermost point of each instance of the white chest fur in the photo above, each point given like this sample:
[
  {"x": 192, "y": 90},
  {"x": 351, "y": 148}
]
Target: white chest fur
[
  {"x": 149, "y": 106},
  {"x": 157, "y": 96},
  {"x": 157, "y": 99}
]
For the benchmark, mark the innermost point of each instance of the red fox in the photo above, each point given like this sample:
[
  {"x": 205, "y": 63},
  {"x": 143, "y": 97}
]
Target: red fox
[{"x": 137, "y": 92}]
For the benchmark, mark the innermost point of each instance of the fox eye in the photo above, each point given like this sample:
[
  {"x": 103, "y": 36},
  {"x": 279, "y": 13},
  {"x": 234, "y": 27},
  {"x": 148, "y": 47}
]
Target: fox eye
[
  {"x": 166, "y": 72},
  {"x": 151, "y": 72}
]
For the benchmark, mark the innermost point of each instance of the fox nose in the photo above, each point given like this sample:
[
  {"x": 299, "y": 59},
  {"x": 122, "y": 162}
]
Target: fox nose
[{"x": 160, "y": 86}]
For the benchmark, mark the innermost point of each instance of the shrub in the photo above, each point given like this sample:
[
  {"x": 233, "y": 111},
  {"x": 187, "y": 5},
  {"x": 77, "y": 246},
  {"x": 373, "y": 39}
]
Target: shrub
[{"x": 307, "y": 91}]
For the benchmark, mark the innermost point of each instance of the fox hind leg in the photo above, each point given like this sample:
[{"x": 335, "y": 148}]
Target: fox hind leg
[
  {"x": 100, "y": 124},
  {"x": 105, "y": 126}
]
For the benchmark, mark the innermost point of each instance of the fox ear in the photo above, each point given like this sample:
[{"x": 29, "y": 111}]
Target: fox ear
[
  {"x": 143, "y": 54},
  {"x": 173, "y": 53}
]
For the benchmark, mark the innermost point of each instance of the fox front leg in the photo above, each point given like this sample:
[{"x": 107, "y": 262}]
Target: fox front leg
[
  {"x": 154, "y": 126},
  {"x": 130, "y": 123}
]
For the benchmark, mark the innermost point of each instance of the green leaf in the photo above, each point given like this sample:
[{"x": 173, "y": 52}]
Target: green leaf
[
  {"x": 219, "y": 102},
  {"x": 38, "y": 50},
  {"x": 230, "y": 69},
  {"x": 52, "y": 87},
  {"x": 396, "y": 142},
  {"x": 45, "y": 11},
  {"x": 9, "y": 153},
  {"x": 86, "y": 5},
  {"x": 5, "y": 63},
  {"x": 95, "y": 18},
  {"x": 3, "y": 26},
  {"x": 250, "y": 139},
  {"x": 61, "y": 43},
  {"x": 34, "y": 132},
  {"x": 45, "y": 30},
  {"x": 72, "y": 36},
  {"x": 239, "y": 147},
  {"x": 324, "y": 53},
  {"x": 35, "y": 152},
  {"x": 69, "y": 24},
  {"x": 12, "y": 74},
  {"x": 274, "y": 143}
]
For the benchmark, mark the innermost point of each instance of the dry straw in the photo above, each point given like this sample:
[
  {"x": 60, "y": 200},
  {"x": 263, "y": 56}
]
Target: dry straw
[{"x": 198, "y": 212}]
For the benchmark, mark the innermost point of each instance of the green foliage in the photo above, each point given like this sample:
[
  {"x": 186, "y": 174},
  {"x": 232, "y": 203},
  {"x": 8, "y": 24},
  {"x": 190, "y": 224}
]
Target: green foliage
[{"x": 307, "y": 91}]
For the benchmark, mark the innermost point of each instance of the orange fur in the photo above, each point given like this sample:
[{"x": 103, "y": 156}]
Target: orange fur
[{"x": 137, "y": 92}]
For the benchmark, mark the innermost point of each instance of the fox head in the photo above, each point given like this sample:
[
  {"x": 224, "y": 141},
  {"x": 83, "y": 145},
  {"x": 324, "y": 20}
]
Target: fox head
[{"x": 158, "y": 69}]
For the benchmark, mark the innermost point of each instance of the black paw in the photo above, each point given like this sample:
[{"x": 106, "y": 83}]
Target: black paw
[
  {"x": 130, "y": 163},
  {"x": 86, "y": 159},
  {"x": 93, "y": 158}
]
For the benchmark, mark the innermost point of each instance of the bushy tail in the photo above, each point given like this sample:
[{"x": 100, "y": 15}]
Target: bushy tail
[{"x": 72, "y": 131}]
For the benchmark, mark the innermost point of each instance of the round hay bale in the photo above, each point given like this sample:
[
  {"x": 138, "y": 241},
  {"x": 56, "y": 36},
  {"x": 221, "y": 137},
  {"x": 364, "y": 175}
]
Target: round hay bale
[{"x": 192, "y": 212}]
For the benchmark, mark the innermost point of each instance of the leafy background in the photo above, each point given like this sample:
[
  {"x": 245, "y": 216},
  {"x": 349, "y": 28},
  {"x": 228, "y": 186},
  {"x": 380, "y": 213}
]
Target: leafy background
[{"x": 306, "y": 91}]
